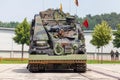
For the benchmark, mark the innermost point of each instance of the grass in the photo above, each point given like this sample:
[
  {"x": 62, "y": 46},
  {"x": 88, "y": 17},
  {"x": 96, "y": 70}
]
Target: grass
[
  {"x": 102, "y": 62},
  {"x": 13, "y": 61},
  {"x": 25, "y": 61}
]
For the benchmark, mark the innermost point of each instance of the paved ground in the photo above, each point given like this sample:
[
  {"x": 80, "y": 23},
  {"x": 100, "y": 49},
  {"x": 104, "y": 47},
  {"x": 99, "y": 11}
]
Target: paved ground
[{"x": 94, "y": 72}]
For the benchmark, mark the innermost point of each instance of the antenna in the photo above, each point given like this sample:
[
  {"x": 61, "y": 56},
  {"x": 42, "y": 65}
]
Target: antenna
[
  {"x": 76, "y": 10},
  {"x": 60, "y": 4},
  {"x": 77, "y": 4},
  {"x": 70, "y": 6},
  {"x": 43, "y": 4},
  {"x": 59, "y": 1}
]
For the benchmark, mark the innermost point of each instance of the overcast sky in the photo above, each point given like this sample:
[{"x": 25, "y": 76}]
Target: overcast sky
[{"x": 17, "y": 10}]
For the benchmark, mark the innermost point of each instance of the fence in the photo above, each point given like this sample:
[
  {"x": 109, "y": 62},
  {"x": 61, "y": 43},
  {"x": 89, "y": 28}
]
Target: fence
[
  {"x": 99, "y": 56},
  {"x": 17, "y": 54},
  {"x": 12, "y": 54}
]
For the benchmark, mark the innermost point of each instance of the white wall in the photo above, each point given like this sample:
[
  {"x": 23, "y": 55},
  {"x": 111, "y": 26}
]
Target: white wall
[
  {"x": 7, "y": 43},
  {"x": 91, "y": 48}
]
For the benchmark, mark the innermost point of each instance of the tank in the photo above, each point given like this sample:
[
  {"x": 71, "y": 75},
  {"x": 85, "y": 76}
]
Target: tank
[{"x": 56, "y": 42}]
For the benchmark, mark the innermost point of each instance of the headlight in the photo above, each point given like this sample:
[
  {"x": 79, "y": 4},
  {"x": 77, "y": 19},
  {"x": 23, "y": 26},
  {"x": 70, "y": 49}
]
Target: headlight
[{"x": 42, "y": 43}]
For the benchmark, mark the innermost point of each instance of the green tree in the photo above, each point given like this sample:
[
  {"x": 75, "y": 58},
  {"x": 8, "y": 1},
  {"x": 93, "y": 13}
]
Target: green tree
[
  {"x": 116, "y": 41},
  {"x": 112, "y": 19},
  {"x": 22, "y": 32},
  {"x": 101, "y": 35},
  {"x": 11, "y": 24}
]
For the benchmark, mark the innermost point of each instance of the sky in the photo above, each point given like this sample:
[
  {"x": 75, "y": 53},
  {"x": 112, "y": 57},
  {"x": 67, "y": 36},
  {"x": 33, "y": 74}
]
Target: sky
[{"x": 17, "y": 10}]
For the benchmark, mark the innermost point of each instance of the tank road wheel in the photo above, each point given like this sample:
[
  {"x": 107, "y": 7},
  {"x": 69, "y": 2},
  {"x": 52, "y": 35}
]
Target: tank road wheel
[
  {"x": 58, "y": 49},
  {"x": 41, "y": 68},
  {"x": 80, "y": 67}
]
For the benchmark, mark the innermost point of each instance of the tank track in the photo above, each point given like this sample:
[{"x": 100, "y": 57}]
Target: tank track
[
  {"x": 35, "y": 68},
  {"x": 80, "y": 67}
]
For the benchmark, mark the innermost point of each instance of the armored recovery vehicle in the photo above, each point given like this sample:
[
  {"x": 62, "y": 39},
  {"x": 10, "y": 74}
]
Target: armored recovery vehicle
[{"x": 56, "y": 42}]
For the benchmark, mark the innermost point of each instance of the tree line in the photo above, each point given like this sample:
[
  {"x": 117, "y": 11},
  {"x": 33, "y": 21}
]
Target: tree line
[
  {"x": 112, "y": 19},
  {"x": 11, "y": 24}
]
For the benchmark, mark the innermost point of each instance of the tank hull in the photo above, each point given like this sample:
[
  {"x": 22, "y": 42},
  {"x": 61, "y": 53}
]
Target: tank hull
[{"x": 44, "y": 62}]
